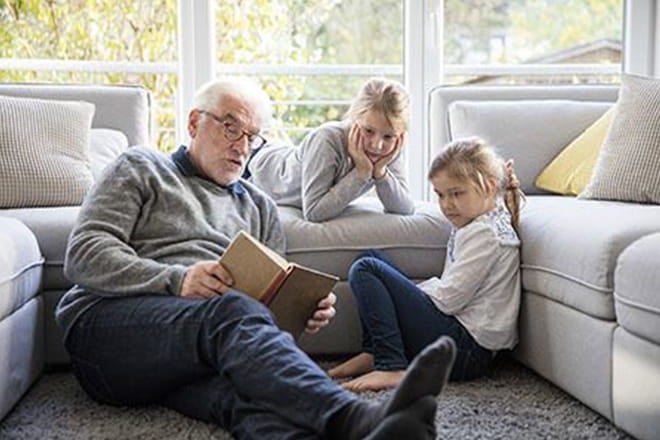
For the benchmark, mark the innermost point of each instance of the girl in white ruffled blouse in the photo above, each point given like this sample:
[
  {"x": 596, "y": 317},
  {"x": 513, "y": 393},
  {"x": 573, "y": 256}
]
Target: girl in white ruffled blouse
[{"x": 475, "y": 301}]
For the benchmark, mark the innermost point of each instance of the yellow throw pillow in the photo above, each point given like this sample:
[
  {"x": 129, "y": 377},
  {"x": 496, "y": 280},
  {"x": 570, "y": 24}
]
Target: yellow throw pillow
[{"x": 570, "y": 171}]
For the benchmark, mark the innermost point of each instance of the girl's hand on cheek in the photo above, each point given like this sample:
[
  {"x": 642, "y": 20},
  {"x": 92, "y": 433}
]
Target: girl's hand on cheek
[{"x": 362, "y": 163}]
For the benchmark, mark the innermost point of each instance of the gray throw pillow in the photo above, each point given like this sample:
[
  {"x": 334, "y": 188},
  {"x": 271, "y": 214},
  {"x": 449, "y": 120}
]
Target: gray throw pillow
[
  {"x": 628, "y": 165},
  {"x": 43, "y": 152}
]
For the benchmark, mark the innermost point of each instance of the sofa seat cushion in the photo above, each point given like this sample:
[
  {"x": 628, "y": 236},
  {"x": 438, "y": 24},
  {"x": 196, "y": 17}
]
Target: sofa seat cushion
[
  {"x": 637, "y": 288},
  {"x": 20, "y": 266},
  {"x": 570, "y": 248},
  {"x": 416, "y": 243},
  {"x": 51, "y": 226}
]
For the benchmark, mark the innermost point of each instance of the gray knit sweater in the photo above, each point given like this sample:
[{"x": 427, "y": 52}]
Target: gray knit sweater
[
  {"x": 319, "y": 176},
  {"x": 146, "y": 220}
]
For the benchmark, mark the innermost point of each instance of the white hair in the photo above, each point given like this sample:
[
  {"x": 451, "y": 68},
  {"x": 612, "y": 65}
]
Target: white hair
[{"x": 246, "y": 90}]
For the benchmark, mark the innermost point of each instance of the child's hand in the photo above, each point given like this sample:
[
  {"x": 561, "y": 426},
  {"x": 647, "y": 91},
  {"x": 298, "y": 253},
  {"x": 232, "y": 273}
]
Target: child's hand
[
  {"x": 512, "y": 181},
  {"x": 380, "y": 167},
  {"x": 362, "y": 163}
]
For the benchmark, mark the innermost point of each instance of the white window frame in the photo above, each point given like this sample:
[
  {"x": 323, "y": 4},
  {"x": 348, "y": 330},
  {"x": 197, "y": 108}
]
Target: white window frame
[
  {"x": 640, "y": 37},
  {"x": 196, "y": 64},
  {"x": 423, "y": 63}
]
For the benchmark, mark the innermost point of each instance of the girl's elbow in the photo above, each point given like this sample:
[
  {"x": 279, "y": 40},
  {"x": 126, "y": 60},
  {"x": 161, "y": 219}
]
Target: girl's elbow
[
  {"x": 315, "y": 215},
  {"x": 408, "y": 210}
]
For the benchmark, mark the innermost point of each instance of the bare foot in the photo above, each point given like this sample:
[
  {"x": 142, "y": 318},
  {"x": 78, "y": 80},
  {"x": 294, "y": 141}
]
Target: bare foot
[
  {"x": 375, "y": 381},
  {"x": 359, "y": 364}
]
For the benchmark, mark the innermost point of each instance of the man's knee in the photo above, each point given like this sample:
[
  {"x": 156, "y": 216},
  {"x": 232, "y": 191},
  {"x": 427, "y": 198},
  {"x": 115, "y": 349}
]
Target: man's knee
[{"x": 235, "y": 305}]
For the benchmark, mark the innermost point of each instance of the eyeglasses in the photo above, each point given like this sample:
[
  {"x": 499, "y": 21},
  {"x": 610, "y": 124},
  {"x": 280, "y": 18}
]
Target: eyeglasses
[{"x": 233, "y": 132}]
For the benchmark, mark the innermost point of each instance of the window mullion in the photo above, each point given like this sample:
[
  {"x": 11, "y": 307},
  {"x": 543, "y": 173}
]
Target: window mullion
[
  {"x": 423, "y": 70},
  {"x": 639, "y": 37},
  {"x": 196, "y": 64}
]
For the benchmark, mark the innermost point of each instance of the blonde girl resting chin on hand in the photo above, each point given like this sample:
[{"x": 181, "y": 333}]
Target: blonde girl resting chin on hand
[
  {"x": 340, "y": 161},
  {"x": 476, "y": 299}
]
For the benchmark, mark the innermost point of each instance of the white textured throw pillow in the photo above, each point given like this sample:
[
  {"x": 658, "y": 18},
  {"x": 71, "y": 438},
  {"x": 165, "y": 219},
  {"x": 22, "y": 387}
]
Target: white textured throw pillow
[
  {"x": 43, "y": 152},
  {"x": 628, "y": 166}
]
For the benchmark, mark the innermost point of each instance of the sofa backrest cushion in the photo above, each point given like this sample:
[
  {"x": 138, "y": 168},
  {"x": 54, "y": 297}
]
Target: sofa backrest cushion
[
  {"x": 441, "y": 98},
  {"x": 532, "y": 132},
  {"x": 119, "y": 107},
  {"x": 44, "y": 152}
]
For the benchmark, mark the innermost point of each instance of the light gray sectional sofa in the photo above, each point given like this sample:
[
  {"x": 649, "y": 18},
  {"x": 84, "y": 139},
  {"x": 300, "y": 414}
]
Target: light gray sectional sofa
[
  {"x": 32, "y": 240},
  {"x": 590, "y": 315}
]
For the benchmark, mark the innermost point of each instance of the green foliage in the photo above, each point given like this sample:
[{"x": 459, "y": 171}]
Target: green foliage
[
  {"x": 99, "y": 30},
  {"x": 468, "y": 27},
  {"x": 541, "y": 27},
  {"x": 285, "y": 32},
  {"x": 531, "y": 28},
  {"x": 309, "y": 32}
]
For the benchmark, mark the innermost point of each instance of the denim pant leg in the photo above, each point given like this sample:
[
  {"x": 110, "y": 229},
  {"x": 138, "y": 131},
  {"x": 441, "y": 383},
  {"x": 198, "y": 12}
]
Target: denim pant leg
[
  {"x": 385, "y": 312},
  {"x": 213, "y": 400},
  {"x": 138, "y": 350},
  {"x": 400, "y": 319}
]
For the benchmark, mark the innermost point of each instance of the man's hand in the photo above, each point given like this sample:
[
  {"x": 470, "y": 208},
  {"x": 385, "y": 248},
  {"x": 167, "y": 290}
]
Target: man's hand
[
  {"x": 362, "y": 163},
  {"x": 325, "y": 311},
  {"x": 380, "y": 167},
  {"x": 205, "y": 280}
]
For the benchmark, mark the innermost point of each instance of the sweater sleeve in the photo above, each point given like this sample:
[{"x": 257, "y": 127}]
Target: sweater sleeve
[
  {"x": 392, "y": 189},
  {"x": 324, "y": 197},
  {"x": 272, "y": 234},
  {"x": 99, "y": 256},
  {"x": 476, "y": 252}
]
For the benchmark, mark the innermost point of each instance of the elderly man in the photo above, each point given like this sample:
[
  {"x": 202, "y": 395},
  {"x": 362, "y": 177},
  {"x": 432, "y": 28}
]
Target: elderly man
[{"x": 153, "y": 318}]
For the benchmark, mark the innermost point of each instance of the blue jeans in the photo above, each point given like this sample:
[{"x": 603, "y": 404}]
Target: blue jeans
[
  {"x": 221, "y": 360},
  {"x": 398, "y": 320}
]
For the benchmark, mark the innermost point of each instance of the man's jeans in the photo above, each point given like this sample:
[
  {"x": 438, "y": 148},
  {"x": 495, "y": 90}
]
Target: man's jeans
[
  {"x": 399, "y": 320},
  {"x": 221, "y": 360}
]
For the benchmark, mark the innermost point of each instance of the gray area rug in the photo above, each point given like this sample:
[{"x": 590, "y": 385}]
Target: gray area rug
[{"x": 512, "y": 403}]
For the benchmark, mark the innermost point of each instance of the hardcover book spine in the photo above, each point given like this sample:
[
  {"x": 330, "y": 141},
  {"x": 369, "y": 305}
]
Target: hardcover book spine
[{"x": 271, "y": 291}]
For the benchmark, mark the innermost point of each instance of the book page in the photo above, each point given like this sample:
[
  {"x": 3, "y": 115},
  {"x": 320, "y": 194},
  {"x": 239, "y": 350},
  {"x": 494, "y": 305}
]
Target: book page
[
  {"x": 252, "y": 265},
  {"x": 298, "y": 297}
]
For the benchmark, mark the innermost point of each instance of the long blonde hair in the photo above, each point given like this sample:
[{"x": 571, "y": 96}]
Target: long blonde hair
[
  {"x": 472, "y": 160},
  {"x": 386, "y": 96}
]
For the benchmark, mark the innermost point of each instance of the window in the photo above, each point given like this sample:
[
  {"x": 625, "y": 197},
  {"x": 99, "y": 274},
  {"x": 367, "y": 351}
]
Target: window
[
  {"x": 532, "y": 41},
  {"x": 311, "y": 56},
  {"x": 122, "y": 41}
]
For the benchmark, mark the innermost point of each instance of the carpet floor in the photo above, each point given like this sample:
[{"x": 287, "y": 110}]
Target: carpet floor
[{"x": 512, "y": 403}]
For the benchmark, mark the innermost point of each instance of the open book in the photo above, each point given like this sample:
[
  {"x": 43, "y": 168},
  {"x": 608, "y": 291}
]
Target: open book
[{"x": 290, "y": 290}]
